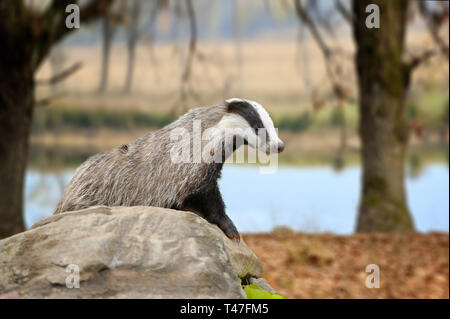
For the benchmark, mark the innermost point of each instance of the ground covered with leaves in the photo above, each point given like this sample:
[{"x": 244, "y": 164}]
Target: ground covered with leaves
[{"x": 298, "y": 265}]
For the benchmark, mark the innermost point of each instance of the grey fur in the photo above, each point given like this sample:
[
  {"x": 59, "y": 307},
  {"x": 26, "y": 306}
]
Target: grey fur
[{"x": 142, "y": 173}]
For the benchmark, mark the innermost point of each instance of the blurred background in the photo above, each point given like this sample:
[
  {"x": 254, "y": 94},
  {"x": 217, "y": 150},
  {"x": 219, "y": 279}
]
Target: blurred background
[{"x": 138, "y": 64}]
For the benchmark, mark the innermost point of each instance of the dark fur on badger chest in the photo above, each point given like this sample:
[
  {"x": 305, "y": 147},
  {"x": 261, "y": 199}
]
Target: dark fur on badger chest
[{"x": 143, "y": 172}]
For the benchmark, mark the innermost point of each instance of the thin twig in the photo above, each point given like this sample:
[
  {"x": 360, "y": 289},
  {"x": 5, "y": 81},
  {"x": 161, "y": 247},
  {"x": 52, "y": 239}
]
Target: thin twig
[
  {"x": 61, "y": 76},
  {"x": 192, "y": 41},
  {"x": 304, "y": 17},
  {"x": 47, "y": 100},
  {"x": 433, "y": 22},
  {"x": 186, "y": 74},
  {"x": 49, "y": 27},
  {"x": 416, "y": 61},
  {"x": 334, "y": 74},
  {"x": 345, "y": 13}
]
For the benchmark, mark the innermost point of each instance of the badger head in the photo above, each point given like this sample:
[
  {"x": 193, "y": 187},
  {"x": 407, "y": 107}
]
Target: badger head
[{"x": 252, "y": 124}]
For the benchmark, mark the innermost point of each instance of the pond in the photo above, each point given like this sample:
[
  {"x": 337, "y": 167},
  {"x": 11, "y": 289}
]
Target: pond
[{"x": 308, "y": 199}]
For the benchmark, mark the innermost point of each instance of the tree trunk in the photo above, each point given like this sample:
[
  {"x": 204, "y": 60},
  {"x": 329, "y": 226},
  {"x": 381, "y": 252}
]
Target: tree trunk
[
  {"x": 16, "y": 105},
  {"x": 237, "y": 34},
  {"x": 108, "y": 32},
  {"x": 383, "y": 83},
  {"x": 26, "y": 40},
  {"x": 131, "y": 44}
]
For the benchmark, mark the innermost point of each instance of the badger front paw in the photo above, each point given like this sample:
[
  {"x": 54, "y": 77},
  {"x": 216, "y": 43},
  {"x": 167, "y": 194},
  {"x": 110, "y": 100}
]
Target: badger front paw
[{"x": 229, "y": 230}]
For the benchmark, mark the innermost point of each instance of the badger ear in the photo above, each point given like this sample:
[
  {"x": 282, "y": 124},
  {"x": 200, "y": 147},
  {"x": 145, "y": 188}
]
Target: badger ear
[
  {"x": 235, "y": 104},
  {"x": 245, "y": 110}
]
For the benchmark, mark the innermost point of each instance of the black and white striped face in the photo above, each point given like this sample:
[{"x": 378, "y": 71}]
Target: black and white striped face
[{"x": 254, "y": 120}]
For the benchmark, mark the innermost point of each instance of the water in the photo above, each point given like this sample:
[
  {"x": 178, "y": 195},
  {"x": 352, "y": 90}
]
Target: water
[{"x": 309, "y": 199}]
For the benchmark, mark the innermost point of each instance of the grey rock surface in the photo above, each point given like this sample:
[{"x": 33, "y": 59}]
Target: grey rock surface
[{"x": 125, "y": 252}]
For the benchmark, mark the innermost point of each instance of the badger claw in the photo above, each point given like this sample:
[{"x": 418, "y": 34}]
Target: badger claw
[
  {"x": 230, "y": 231},
  {"x": 236, "y": 238}
]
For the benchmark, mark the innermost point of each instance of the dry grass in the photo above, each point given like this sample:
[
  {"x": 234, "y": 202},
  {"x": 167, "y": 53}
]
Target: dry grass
[
  {"x": 273, "y": 72},
  {"x": 100, "y": 140}
]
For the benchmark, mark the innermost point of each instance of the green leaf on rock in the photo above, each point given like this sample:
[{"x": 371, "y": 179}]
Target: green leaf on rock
[{"x": 254, "y": 292}]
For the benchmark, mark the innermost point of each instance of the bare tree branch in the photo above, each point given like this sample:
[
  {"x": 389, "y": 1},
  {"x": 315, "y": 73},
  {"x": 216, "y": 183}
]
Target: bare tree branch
[
  {"x": 415, "y": 62},
  {"x": 61, "y": 76},
  {"x": 345, "y": 13},
  {"x": 425, "y": 56},
  {"x": 49, "y": 27},
  {"x": 334, "y": 74},
  {"x": 305, "y": 18},
  {"x": 185, "y": 88},
  {"x": 433, "y": 22},
  {"x": 333, "y": 70},
  {"x": 132, "y": 39},
  {"x": 47, "y": 100},
  {"x": 192, "y": 41},
  {"x": 317, "y": 13}
]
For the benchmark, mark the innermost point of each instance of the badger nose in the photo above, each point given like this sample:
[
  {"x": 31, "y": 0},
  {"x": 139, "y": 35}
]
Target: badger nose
[{"x": 280, "y": 147}]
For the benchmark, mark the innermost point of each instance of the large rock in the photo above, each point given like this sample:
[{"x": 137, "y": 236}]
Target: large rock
[{"x": 125, "y": 252}]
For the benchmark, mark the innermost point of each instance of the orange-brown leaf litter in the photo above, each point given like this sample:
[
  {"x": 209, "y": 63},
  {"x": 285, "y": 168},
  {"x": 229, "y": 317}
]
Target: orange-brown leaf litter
[{"x": 297, "y": 265}]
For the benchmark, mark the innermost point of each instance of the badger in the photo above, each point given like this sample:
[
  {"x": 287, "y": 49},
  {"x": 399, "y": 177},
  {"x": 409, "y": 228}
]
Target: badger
[{"x": 145, "y": 173}]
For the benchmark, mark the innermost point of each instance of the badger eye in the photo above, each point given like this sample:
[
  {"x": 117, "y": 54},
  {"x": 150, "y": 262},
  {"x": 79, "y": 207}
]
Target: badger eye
[{"x": 263, "y": 134}]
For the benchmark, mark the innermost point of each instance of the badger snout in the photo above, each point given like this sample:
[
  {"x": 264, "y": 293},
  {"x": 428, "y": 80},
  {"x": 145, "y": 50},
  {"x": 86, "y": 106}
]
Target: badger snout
[{"x": 276, "y": 147}]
